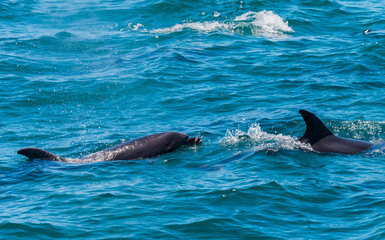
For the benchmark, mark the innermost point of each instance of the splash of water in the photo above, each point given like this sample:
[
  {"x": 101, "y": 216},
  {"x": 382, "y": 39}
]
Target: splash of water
[
  {"x": 265, "y": 23},
  {"x": 199, "y": 26},
  {"x": 262, "y": 140},
  {"x": 362, "y": 129}
]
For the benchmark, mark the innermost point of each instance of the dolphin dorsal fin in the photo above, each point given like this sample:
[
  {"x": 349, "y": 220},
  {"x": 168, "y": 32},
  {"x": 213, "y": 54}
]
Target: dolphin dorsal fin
[
  {"x": 36, "y": 153},
  {"x": 315, "y": 129}
]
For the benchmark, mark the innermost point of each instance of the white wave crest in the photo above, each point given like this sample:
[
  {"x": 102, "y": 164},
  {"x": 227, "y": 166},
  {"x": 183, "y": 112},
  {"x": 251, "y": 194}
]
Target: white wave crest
[
  {"x": 264, "y": 23},
  {"x": 262, "y": 140},
  {"x": 267, "y": 21}
]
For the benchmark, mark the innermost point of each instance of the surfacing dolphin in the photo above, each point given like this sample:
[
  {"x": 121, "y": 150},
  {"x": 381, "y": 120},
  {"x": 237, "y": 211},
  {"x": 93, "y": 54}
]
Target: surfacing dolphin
[
  {"x": 322, "y": 139},
  {"x": 145, "y": 147}
]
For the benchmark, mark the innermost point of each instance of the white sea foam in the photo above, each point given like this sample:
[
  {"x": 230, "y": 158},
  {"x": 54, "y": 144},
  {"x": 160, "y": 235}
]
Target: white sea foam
[
  {"x": 100, "y": 156},
  {"x": 264, "y": 23},
  {"x": 361, "y": 129},
  {"x": 199, "y": 26},
  {"x": 262, "y": 140}
]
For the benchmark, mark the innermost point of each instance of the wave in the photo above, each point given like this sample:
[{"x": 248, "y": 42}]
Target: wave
[
  {"x": 262, "y": 140},
  {"x": 266, "y": 21},
  {"x": 263, "y": 23}
]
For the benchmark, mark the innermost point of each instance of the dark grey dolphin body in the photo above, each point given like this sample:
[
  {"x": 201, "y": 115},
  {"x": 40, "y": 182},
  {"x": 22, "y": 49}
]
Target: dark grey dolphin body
[
  {"x": 145, "y": 147},
  {"x": 322, "y": 139}
]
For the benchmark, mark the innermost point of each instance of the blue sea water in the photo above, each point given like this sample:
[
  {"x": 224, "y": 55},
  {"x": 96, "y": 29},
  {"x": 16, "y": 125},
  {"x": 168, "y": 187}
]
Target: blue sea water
[{"x": 79, "y": 76}]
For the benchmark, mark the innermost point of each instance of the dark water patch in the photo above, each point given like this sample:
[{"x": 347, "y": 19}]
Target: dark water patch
[
  {"x": 14, "y": 11},
  {"x": 38, "y": 230},
  {"x": 62, "y": 42}
]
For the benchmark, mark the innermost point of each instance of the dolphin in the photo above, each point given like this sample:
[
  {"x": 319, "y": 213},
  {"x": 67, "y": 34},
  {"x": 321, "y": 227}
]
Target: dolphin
[
  {"x": 322, "y": 139},
  {"x": 145, "y": 147}
]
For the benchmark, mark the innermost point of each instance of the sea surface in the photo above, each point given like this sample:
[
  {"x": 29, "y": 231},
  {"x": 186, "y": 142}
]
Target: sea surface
[{"x": 80, "y": 76}]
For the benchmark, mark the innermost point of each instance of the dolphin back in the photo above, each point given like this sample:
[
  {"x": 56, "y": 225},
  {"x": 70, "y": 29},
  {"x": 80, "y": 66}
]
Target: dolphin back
[
  {"x": 37, "y": 153},
  {"x": 145, "y": 147}
]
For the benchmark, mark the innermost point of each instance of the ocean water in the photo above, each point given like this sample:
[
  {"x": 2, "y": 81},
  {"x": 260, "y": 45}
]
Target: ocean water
[{"x": 79, "y": 76}]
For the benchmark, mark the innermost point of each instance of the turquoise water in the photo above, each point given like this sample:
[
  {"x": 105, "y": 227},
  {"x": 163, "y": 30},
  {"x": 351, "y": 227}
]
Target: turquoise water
[{"x": 80, "y": 76}]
